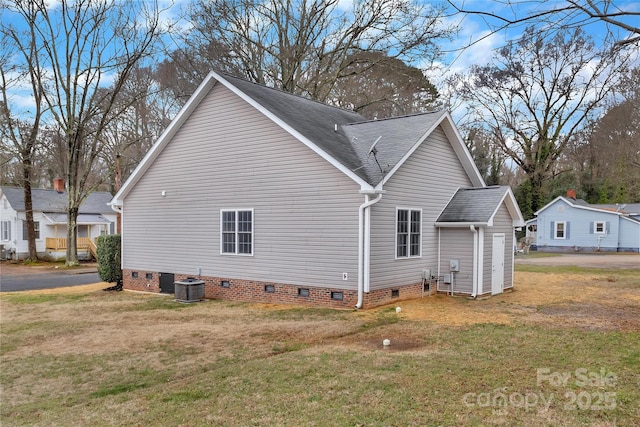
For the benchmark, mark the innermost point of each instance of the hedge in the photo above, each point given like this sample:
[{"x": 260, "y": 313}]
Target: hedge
[{"x": 109, "y": 258}]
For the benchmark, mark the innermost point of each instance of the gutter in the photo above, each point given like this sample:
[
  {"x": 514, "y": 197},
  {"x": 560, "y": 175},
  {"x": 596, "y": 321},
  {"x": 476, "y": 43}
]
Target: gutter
[
  {"x": 364, "y": 237},
  {"x": 115, "y": 208}
]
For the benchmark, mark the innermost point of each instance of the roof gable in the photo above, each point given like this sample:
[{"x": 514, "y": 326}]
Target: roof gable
[
  {"x": 478, "y": 206},
  {"x": 581, "y": 204},
  {"x": 341, "y": 137}
]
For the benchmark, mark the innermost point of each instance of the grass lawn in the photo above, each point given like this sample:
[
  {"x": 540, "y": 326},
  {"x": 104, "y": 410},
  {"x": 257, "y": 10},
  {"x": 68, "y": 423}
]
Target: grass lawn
[{"x": 563, "y": 349}]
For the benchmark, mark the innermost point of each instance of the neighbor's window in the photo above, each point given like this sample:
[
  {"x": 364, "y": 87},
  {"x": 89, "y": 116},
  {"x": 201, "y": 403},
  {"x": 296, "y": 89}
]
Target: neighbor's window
[
  {"x": 236, "y": 231},
  {"x": 599, "y": 227},
  {"x": 5, "y": 233},
  {"x": 36, "y": 229},
  {"x": 560, "y": 230},
  {"x": 408, "y": 234}
]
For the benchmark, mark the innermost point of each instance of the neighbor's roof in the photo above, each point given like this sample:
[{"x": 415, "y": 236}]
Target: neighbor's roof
[
  {"x": 83, "y": 219},
  {"x": 625, "y": 208},
  {"x": 343, "y": 138},
  {"x": 621, "y": 209},
  {"x": 478, "y": 206},
  {"x": 45, "y": 200}
]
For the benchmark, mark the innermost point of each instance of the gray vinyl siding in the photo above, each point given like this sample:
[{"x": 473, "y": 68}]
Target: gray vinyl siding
[
  {"x": 502, "y": 223},
  {"x": 457, "y": 243},
  {"x": 227, "y": 155},
  {"x": 435, "y": 166}
]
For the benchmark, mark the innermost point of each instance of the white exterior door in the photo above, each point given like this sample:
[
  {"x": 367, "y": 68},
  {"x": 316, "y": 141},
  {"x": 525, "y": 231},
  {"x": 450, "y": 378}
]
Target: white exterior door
[{"x": 497, "y": 264}]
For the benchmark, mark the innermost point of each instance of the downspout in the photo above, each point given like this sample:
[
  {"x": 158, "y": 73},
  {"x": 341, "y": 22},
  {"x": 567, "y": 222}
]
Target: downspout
[
  {"x": 118, "y": 209},
  {"x": 474, "y": 279},
  {"x": 438, "y": 285},
  {"x": 364, "y": 233}
]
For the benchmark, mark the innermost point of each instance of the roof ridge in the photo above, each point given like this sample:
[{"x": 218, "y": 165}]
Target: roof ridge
[
  {"x": 225, "y": 74},
  {"x": 423, "y": 113}
]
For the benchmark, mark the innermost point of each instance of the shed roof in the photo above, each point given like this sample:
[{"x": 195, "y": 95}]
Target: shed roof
[
  {"x": 478, "y": 206},
  {"x": 46, "y": 200}
]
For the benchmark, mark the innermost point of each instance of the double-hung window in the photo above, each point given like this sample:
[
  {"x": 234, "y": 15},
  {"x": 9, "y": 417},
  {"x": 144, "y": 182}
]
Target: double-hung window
[
  {"x": 6, "y": 230},
  {"x": 236, "y": 232},
  {"x": 408, "y": 233},
  {"x": 560, "y": 230},
  {"x": 599, "y": 227},
  {"x": 36, "y": 229}
]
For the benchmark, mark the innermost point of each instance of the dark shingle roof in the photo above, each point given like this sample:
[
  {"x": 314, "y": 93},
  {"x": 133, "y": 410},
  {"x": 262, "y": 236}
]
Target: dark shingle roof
[
  {"x": 312, "y": 119},
  {"x": 473, "y": 205},
  {"x": 397, "y": 136},
  {"x": 51, "y": 201},
  {"x": 355, "y": 135}
]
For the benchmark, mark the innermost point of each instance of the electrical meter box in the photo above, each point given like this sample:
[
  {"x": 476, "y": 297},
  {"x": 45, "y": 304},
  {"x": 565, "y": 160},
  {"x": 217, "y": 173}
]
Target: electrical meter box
[{"x": 454, "y": 265}]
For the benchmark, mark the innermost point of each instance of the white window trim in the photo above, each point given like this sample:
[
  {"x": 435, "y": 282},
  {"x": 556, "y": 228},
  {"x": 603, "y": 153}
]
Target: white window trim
[
  {"x": 253, "y": 223},
  {"x": 6, "y": 231},
  {"x": 36, "y": 229},
  {"x": 604, "y": 227},
  {"x": 564, "y": 230},
  {"x": 395, "y": 231}
]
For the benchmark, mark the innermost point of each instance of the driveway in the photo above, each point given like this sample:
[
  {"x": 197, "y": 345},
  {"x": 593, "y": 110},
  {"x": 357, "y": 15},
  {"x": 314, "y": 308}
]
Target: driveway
[
  {"x": 614, "y": 260},
  {"x": 19, "y": 277}
]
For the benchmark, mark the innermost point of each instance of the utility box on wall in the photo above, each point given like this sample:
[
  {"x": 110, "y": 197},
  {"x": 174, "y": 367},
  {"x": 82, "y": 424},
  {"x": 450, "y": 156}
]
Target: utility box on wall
[{"x": 454, "y": 265}]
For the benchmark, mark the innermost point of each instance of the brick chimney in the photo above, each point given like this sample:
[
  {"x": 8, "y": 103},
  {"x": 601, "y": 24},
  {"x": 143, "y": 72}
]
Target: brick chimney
[
  {"x": 58, "y": 185},
  {"x": 571, "y": 194}
]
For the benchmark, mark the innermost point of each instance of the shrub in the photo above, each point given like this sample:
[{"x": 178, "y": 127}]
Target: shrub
[{"x": 109, "y": 258}]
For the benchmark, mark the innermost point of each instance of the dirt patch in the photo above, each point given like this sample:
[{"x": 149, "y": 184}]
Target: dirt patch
[
  {"x": 599, "y": 302},
  {"x": 562, "y": 299}
]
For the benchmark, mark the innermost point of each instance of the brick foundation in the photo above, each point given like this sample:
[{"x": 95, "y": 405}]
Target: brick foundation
[{"x": 255, "y": 291}]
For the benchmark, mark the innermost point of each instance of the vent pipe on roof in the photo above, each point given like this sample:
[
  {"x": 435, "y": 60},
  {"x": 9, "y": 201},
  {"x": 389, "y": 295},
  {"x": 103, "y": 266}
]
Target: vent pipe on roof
[
  {"x": 335, "y": 127},
  {"x": 58, "y": 185}
]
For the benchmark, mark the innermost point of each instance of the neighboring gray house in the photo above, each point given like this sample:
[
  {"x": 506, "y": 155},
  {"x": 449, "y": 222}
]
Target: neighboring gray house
[
  {"x": 568, "y": 224},
  {"x": 50, "y": 220},
  {"x": 271, "y": 197}
]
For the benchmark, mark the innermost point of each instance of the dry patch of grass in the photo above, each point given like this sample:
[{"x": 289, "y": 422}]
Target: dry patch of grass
[
  {"x": 81, "y": 356},
  {"x": 603, "y": 300}
]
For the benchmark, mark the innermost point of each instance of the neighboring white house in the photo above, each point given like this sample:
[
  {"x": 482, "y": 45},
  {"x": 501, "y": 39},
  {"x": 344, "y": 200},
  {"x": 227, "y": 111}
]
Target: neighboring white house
[
  {"x": 267, "y": 196},
  {"x": 50, "y": 221},
  {"x": 568, "y": 224}
]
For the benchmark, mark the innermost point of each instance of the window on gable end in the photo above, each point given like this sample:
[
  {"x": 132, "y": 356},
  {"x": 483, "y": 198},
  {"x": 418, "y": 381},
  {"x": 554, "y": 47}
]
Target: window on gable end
[{"x": 408, "y": 233}]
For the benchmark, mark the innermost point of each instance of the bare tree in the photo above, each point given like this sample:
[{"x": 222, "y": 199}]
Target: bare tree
[
  {"x": 551, "y": 16},
  {"x": 606, "y": 153},
  {"x": 536, "y": 94},
  {"x": 85, "y": 45},
  {"x": 22, "y": 134},
  {"x": 486, "y": 154},
  {"x": 305, "y": 47},
  {"x": 376, "y": 85},
  {"x": 145, "y": 108}
]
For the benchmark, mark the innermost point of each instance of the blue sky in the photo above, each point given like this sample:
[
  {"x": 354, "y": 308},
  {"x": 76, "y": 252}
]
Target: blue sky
[{"x": 474, "y": 30}]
